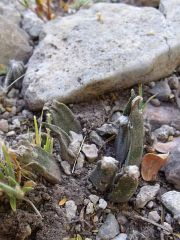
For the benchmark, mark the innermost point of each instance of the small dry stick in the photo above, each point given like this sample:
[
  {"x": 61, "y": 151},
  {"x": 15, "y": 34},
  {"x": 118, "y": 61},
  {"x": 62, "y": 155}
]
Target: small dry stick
[
  {"x": 147, "y": 220},
  {"x": 108, "y": 140},
  {"x": 17, "y": 79},
  {"x": 33, "y": 206},
  {"x": 82, "y": 143}
]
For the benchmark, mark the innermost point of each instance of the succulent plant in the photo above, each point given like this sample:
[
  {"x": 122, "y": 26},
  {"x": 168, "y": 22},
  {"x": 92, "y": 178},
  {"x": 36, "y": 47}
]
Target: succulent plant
[
  {"x": 122, "y": 184},
  {"x": 64, "y": 124}
]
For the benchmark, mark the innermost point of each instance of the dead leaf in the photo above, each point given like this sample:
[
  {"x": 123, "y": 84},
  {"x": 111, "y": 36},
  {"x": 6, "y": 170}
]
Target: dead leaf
[
  {"x": 62, "y": 201},
  {"x": 30, "y": 183},
  {"x": 151, "y": 164},
  {"x": 173, "y": 145}
]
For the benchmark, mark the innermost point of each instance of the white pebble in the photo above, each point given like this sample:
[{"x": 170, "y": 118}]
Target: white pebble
[
  {"x": 102, "y": 204},
  {"x": 90, "y": 208}
]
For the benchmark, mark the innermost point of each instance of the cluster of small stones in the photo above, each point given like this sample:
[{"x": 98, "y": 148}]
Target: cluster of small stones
[{"x": 14, "y": 115}]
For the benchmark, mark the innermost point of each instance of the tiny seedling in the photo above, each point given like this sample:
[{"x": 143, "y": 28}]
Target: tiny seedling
[
  {"x": 143, "y": 104},
  {"x": 48, "y": 146},
  {"x": 9, "y": 183}
]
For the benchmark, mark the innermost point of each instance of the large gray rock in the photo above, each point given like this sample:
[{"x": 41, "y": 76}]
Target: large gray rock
[
  {"x": 9, "y": 12},
  {"x": 14, "y": 42},
  {"x": 83, "y": 55},
  {"x": 171, "y": 201},
  {"x": 32, "y": 24},
  {"x": 172, "y": 169},
  {"x": 109, "y": 229}
]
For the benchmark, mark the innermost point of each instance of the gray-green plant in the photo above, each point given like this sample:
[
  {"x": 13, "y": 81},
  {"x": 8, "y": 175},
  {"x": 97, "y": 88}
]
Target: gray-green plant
[
  {"x": 63, "y": 123},
  {"x": 48, "y": 145},
  {"x": 9, "y": 183},
  {"x": 128, "y": 149}
]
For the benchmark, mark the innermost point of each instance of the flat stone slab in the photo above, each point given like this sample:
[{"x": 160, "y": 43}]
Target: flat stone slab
[{"x": 101, "y": 49}]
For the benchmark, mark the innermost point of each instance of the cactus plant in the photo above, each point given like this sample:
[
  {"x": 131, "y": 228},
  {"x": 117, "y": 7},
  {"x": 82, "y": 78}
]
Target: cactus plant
[{"x": 128, "y": 149}]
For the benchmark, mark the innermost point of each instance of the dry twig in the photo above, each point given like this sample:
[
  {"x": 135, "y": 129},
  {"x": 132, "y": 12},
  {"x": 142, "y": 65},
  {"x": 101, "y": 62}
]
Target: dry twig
[{"x": 82, "y": 143}]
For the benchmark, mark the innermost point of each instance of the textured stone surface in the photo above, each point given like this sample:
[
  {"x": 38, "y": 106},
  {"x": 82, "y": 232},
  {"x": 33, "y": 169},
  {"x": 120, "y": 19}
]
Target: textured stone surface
[
  {"x": 109, "y": 229},
  {"x": 90, "y": 151},
  {"x": 32, "y": 24},
  {"x": 4, "y": 126},
  {"x": 80, "y": 57},
  {"x": 172, "y": 169},
  {"x": 14, "y": 42},
  {"x": 158, "y": 116},
  {"x": 153, "y": 215},
  {"x": 146, "y": 194},
  {"x": 71, "y": 209},
  {"x": 164, "y": 132},
  {"x": 10, "y": 13},
  {"x": 171, "y": 201}
]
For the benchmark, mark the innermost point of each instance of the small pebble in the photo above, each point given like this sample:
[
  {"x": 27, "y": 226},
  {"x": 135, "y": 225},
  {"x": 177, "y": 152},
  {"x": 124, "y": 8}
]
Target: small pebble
[
  {"x": 173, "y": 82},
  {"x": 151, "y": 84},
  {"x": 150, "y": 204},
  {"x": 11, "y": 133},
  {"x": 164, "y": 132},
  {"x": 177, "y": 133},
  {"x": 27, "y": 114},
  {"x": 5, "y": 115},
  {"x": 1, "y": 132},
  {"x": 162, "y": 90},
  {"x": 122, "y": 220},
  {"x": 86, "y": 201},
  {"x": 168, "y": 218},
  {"x": 168, "y": 226},
  {"x": 16, "y": 123},
  {"x": 13, "y": 111},
  {"x": 95, "y": 219},
  {"x": 115, "y": 117},
  {"x": 78, "y": 227},
  {"x": 153, "y": 215},
  {"x": 155, "y": 102},
  {"x": 9, "y": 102},
  {"x": 71, "y": 209},
  {"x": 109, "y": 229},
  {"x": 4, "y": 126},
  {"x": 95, "y": 138},
  {"x": 13, "y": 93},
  {"x": 171, "y": 201},
  {"x": 80, "y": 161},
  {"x": 107, "y": 129},
  {"x": 146, "y": 194},
  {"x": 2, "y": 109},
  {"x": 90, "y": 208},
  {"x": 102, "y": 203},
  {"x": 90, "y": 151},
  {"x": 66, "y": 167},
  {"x": 94, "y": 198}
]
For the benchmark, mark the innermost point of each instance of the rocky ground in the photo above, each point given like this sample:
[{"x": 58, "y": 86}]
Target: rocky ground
[{"x": 74, "y": 62}]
